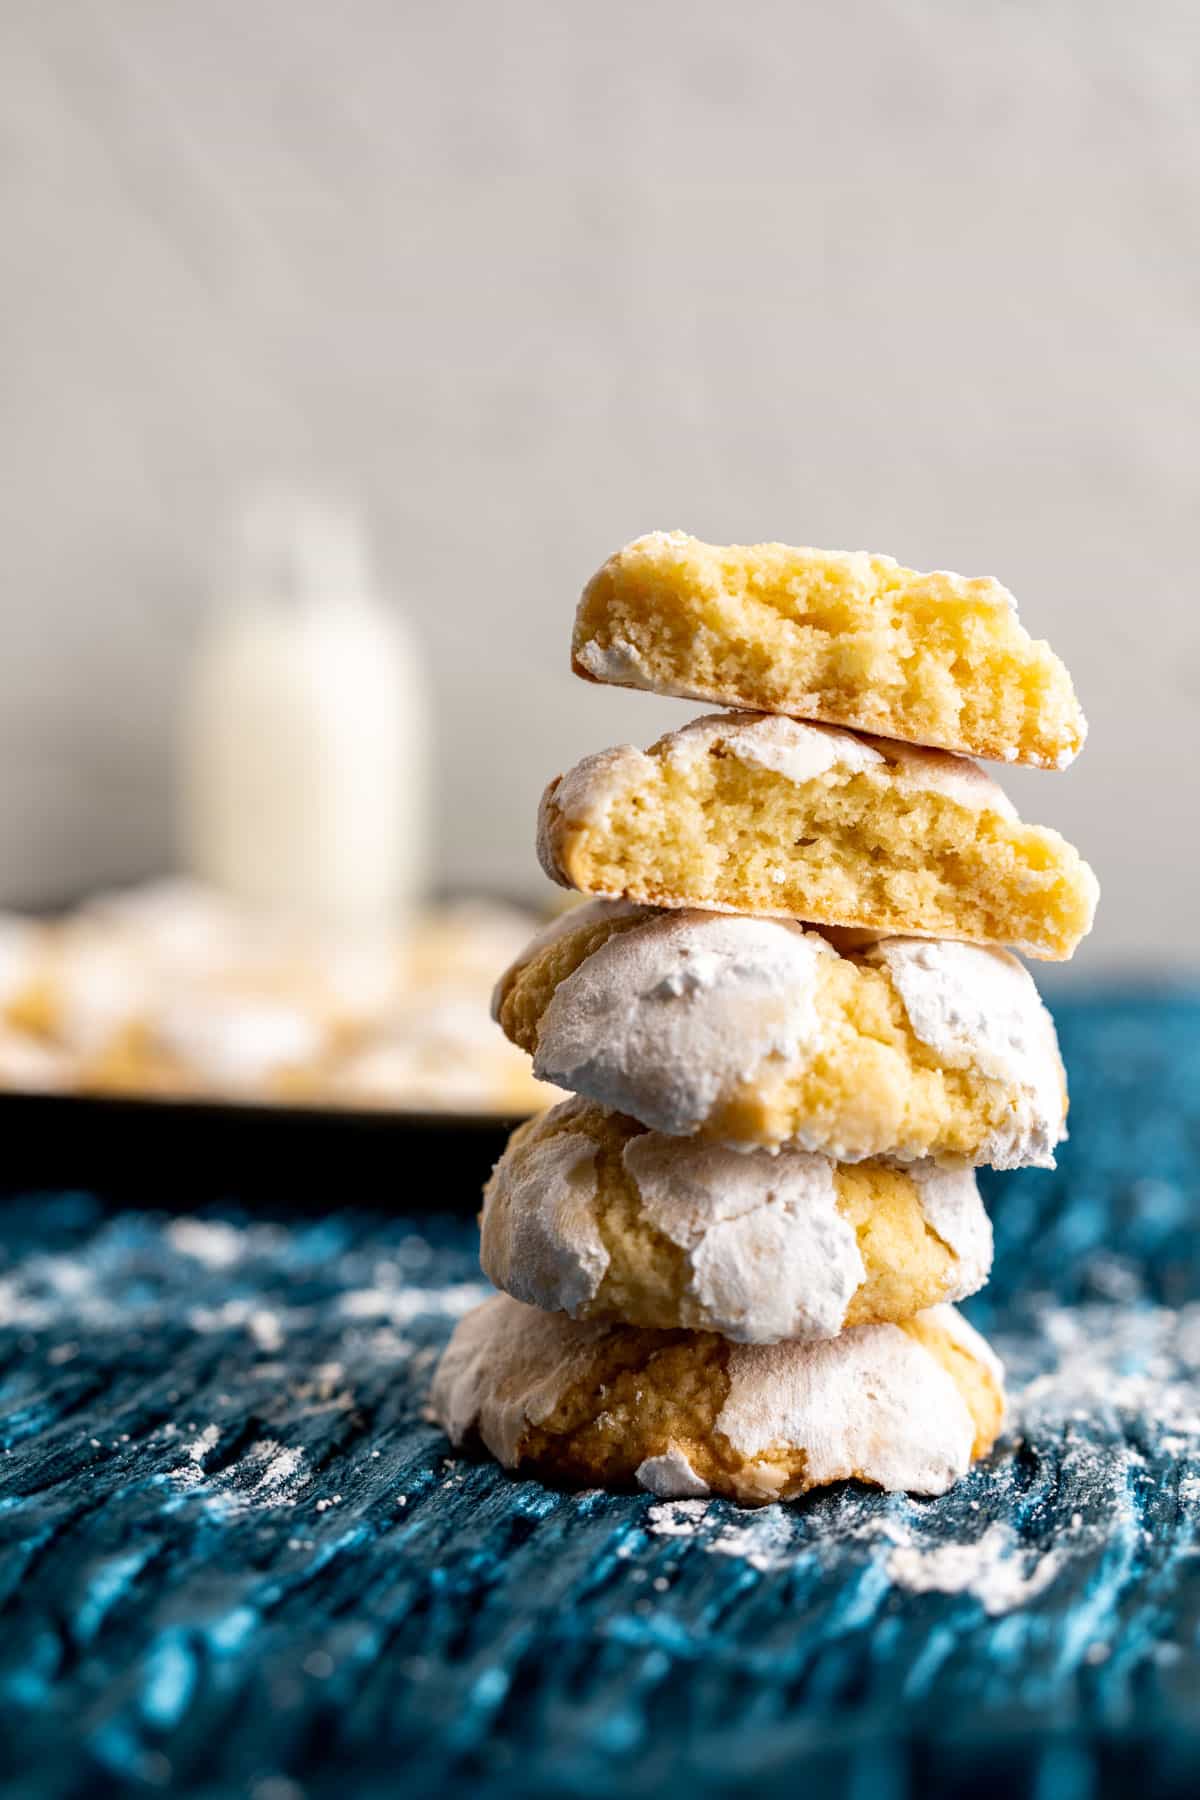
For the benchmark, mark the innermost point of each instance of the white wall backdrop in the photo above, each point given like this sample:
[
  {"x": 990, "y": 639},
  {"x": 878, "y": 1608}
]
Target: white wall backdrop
[{"x": 913, "y": 275}]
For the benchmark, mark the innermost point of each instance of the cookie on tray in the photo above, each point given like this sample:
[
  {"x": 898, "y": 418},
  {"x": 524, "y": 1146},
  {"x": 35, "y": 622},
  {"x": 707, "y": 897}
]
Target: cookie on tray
[
  {"x": 843, "y": 637},
  {"x": 753, "y": 813},
  {"x": 903, "y": 1407},
  {"x": 758, "y": 1031},
  {"x": 588, "y": 1213},
  {"x": 25, "y": 968}
]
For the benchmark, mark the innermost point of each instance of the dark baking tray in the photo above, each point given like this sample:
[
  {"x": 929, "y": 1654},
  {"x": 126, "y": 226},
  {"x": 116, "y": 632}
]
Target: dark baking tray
[{"x": 177, "y": 1154}]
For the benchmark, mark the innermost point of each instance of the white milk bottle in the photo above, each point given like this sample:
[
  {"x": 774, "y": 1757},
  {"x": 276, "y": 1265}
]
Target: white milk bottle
[{"x": 304, "y": 761}]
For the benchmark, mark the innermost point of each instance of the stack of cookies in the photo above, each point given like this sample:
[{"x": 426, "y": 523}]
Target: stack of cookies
[{"x": 792, "y": 1028}]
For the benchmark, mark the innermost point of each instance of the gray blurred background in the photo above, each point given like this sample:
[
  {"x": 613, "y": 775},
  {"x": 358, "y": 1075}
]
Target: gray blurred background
[{"x": 533, "y": 278}]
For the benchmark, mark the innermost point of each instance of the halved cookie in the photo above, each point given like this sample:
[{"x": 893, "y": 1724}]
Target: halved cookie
[
  {"x": 752, "y": 813},
  {"x": 848, "y": 638},
  {"x": 590, "y": 1214},
  {"x": 758, "y": 1031},
  {"x": 904, "y": 1407}
]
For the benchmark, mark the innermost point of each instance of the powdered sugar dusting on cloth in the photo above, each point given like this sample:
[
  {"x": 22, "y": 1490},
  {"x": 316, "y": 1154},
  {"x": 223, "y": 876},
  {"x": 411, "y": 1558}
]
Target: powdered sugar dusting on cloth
[
  {"x": 1113, "y": 1370},
  {"x": 505, "y": 1603},
  {"x": 994, "y": 1568}
]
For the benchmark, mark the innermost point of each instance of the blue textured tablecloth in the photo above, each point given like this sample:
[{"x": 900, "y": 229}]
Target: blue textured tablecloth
[{"x": 236, "y": 1559}]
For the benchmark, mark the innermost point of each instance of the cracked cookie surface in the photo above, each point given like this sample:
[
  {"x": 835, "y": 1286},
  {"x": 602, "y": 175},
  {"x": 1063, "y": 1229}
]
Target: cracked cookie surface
[
  {"x": 906, "y": 1407},
  {"x": 761, "y": 1031},
  {"x": 589, "y": 1214}
]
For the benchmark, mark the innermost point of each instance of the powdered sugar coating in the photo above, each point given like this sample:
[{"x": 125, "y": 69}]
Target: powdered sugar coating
[
  {"x": 619, "y": 661},
  {"x": 808, "y": 752},
  {"x": 977, "y": 1007},
  {"x": 100, "y": 987},
  {"x": 769, "y": 1254},
  {"x": 659, "y": 1021},
  {"x": 506, "y": 1368},
  {"x": 576, "y": 918},
  {"x": 622, "y": 664},
  {"x": 543, "y": 1244},
  {"x": 179, "y": 922},
  {"x": 942, "y": 772},
  {"x": 664, "y": 1019},
  {"x": 976, "y": 1346},
  {"x": 873, "y": 1403},
  {"x": 590, "y": 787},
  {"x": 20, "y": 952},
  {"x": 671, "y": 1476},
  {"x": 949, "y": 1200},
  {"x": 784, "y": 746}
]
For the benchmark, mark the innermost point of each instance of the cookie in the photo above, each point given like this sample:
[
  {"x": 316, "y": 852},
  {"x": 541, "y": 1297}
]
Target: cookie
[
  {"x": 24, "y": 972},
  {"x": 847, "y": 638},
  {"x": 753, "y": 813},
  {"x": 441, "y": 1053},
  {"x": 759, "y": 1031},
  {"x": 903, "y": 1407},
  {"x": 588, "y": 1213},
  {"x": 29, "y": 1065}
]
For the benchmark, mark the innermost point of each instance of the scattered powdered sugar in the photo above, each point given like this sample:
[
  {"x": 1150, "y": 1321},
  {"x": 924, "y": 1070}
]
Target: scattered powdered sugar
[
  {"x": 764, "y": 1540},
  {"x": 280, "y": 1476},
  {"x": 231, "y": 1283},
  {"x": 269, "y": 1474},
  {"x": 995, "y": 1568},
  {"x": 400, "y": 1306},
  {"x": 1117, "y": 1371},
  {"x": 213, "y": 1242},
  {"x": 205, "y": 1442},
  {"x": 677, "y": 1518},
  {"x": 268, "y": 1327},
  {"x": 1123, "y": 1363}
]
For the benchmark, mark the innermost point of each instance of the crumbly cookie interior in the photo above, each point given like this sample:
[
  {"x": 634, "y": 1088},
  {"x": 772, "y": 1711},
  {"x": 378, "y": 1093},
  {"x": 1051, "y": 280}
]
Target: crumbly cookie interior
[
  {"x": 848, "y": 639},
  {"x": 712, "y": 832}
]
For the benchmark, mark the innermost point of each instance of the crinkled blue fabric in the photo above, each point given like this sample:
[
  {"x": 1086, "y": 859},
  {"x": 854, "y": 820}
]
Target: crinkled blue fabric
[{"x": 236, "y": 1558}]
